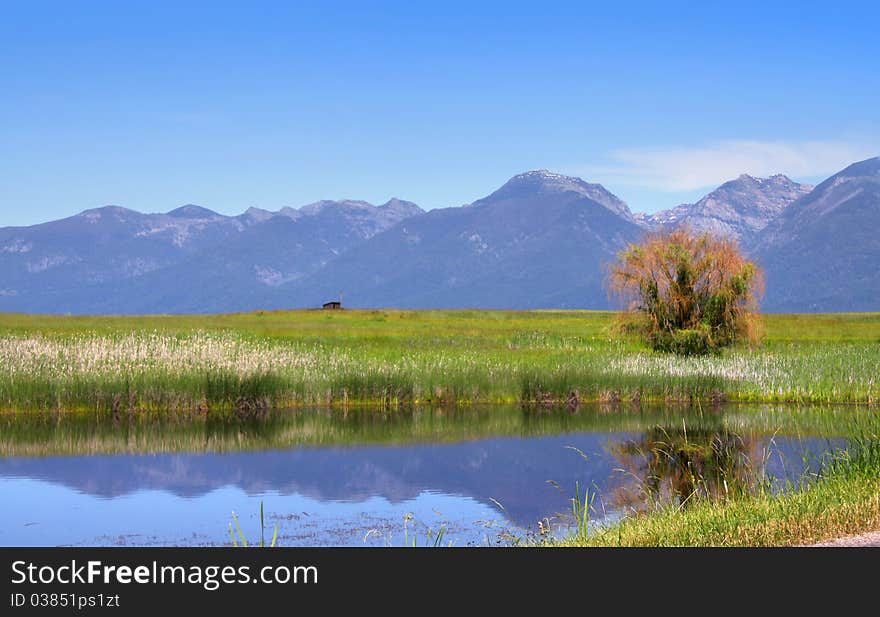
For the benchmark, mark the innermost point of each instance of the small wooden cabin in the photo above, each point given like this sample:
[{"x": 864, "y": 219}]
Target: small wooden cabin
[{"x": 332, "y": 306}]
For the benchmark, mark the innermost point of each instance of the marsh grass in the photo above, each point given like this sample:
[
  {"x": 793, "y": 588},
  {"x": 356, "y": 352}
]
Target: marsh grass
[
  {"x": 245, "y": 364},
  {"x": 240, "y": 540},
  {"x": 581, "y": 508},
  {"x": 842, "y": 498},
  {"x": 432, "y": 538}
]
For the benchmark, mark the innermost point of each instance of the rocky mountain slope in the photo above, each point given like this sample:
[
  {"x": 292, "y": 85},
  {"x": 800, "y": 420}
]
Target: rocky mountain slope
[
  {"x": 541, "y": 240},
  {"x": 738, "y": 209},
  {"x": 823, "y": 252}
]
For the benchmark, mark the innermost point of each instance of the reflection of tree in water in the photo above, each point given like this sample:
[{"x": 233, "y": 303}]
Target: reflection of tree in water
[{"x": 681, "y": 465}]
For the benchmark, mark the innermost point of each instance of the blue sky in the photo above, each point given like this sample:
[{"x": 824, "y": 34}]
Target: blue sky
[{"x": 230, "y": 105}]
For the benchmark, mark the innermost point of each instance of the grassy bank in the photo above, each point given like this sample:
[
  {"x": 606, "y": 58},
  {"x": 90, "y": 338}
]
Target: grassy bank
[
  {"x": 249, "y": 362},
  {"x": 843, "y": 500}
]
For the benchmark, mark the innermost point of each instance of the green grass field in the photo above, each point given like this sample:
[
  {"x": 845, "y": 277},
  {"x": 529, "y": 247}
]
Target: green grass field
[{"x": 257, "y": 360}]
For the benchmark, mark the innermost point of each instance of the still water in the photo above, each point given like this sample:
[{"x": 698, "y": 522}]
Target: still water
[{"x": 485, "y": 476}]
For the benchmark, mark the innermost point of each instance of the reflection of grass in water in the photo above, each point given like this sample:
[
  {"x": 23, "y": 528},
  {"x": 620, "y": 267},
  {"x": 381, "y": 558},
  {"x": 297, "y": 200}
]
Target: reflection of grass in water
[
  {"x": 666, "y": 467},
  {"x": 842, "y": 498},
  {"x": 679, "y": 466},
  {"x": 210, "y": 364},
  {"x": 29, "y": 434}
]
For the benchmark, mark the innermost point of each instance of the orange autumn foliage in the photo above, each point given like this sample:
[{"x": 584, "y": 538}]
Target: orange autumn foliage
[{"x": 691, "y": 293}]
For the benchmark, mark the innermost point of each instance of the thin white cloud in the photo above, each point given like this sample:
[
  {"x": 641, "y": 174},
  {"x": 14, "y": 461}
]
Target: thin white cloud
[{"x": 682, "y": 168}]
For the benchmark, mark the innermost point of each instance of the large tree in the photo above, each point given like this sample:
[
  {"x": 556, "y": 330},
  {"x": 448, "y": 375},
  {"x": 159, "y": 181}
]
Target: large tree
[{"x": 689, "y": 293}]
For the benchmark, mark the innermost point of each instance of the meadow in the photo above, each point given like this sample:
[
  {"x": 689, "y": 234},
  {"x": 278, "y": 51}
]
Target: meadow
[{"x": 247, "y": 363}]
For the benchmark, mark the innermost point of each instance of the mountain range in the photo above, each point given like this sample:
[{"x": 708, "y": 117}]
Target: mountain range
[
  {"x": 542, "y": 240},
  {"x": 739, "y": 209}
]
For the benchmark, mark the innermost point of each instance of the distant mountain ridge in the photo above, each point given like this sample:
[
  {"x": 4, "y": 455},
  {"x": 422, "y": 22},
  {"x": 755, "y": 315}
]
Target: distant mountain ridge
[
  {"x": 113, "y": 259},
  {"x": 547, "y": 183},
  {"x": 823, "y": 252},
  {"x": 737, "y": 209},
  {"x": 541, "y": 240}
]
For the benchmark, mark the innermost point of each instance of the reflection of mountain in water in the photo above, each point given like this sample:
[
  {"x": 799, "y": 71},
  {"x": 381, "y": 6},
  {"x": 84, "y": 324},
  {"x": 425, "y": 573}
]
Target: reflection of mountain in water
[{"x": 513, "y": 471}]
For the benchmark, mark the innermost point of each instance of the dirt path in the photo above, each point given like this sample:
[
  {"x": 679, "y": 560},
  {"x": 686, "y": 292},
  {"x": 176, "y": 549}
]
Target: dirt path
[{"x": 865, "y": 539}]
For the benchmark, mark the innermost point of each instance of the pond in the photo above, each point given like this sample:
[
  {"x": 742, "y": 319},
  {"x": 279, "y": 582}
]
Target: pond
[{"x": 484, "y": 476}]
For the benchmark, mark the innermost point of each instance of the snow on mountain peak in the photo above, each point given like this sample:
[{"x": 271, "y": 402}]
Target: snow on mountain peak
[
  {"x": 738, "y": 208},
  {"x": 543, "y": 181}
]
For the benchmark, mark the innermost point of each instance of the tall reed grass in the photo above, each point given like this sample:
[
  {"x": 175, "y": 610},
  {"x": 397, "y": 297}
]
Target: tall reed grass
[{"x": 248, "y": 363}]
